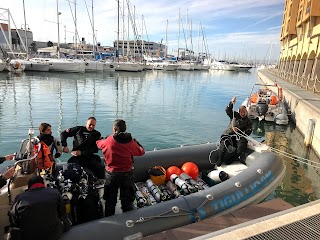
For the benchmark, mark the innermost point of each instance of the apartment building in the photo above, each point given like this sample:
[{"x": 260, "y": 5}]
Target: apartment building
[{"x": 300, "y": 36}]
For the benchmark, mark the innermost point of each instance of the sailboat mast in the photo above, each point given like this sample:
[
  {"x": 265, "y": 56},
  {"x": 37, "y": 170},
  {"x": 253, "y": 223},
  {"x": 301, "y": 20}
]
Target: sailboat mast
[
  {"x": 93, "y": 36},
  {"x": 25, "y": 30},
  {"x": 118, "y": 29},
  {"x": 76, "y": 29},
  {"x": 166, "y": 50},
  {"x": 128, "y": 35},
  {"x": 134, "y": 33},
  {"x": 142, "y": 45},
  {"x": 179, "y": 36},
  {"x": 123, "y": 28},
  {"x": 58, "y": 46}
]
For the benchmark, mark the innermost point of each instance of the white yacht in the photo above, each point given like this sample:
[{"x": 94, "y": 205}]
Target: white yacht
[
  {"x": 148, "y": 65},
  {"x": 63, "y": 65},
  {"x": 34, "y": 65},
  {"x": 241, "y": 67},
  {"x": 186, "y": 65},
  {"x": 169, "y": 65},
  {"x": 109, "y": 66},
  {"x": 93, "y": 66},
  {"x": 128, "y": 66},
  {"x": 222, "y": 65}
]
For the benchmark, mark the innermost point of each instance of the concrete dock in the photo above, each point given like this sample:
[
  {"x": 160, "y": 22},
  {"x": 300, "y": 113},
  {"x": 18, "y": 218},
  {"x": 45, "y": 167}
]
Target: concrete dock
[{"x": 214, "y": 224}]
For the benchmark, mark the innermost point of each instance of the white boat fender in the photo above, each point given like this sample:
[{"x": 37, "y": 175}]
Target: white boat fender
[{"x": 218, "y": 176}]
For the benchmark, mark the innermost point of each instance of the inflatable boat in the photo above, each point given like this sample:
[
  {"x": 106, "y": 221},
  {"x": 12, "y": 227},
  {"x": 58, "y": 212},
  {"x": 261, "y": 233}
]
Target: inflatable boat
[
  {"x": 266, "y": 103},
  {"x": 249, "y": 183}
]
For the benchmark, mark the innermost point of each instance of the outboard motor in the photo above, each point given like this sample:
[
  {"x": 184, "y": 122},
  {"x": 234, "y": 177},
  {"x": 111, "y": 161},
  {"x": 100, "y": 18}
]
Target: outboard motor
[{"x": 262, "y": 108}]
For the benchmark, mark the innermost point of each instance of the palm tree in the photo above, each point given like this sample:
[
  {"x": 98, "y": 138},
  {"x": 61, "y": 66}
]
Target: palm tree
[{"x": 49, "y": 44}]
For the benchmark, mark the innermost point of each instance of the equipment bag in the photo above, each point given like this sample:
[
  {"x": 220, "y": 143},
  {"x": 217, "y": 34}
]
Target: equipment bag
[{"x": 86, "y": 207}]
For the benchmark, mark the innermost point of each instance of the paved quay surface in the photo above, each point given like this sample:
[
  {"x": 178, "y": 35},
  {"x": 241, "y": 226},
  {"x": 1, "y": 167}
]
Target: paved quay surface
[{"x": 217, "y": 223}]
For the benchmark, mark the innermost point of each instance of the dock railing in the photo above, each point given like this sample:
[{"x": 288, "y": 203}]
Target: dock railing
[{"x": 309, "y": 83}]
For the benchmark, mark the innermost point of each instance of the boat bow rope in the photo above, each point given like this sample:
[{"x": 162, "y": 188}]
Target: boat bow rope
[{"x": 175, "y": 210}]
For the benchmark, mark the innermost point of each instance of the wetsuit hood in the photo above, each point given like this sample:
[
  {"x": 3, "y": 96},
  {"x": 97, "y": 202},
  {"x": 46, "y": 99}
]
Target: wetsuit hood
[
  {"x": 122, "y": 137},
  {"x": 46, "y": 138}
]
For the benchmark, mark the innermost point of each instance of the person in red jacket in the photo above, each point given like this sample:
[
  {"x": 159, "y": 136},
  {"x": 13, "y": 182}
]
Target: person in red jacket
[{"x": 118, "y": 151}]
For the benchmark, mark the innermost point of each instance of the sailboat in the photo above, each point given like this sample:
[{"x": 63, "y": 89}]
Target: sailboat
[
  {"x": 124, "y": 64},
  {"x": 61, "y": 64}
]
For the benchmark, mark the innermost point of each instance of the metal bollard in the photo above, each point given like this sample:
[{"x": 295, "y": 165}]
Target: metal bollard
[{"x": 309, "y": 134}]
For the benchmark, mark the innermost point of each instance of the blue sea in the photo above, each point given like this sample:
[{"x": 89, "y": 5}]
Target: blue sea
[{"x": 161, "y": 109}]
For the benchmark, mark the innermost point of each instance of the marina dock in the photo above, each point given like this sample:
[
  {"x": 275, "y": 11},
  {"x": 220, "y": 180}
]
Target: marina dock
[
  {"x": 212, "y": 225},
  {"x": 304, "y": 105}
]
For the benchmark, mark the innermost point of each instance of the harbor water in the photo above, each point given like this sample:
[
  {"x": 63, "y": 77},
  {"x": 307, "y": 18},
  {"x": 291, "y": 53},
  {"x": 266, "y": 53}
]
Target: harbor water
[{"x": 162, "y": 110}]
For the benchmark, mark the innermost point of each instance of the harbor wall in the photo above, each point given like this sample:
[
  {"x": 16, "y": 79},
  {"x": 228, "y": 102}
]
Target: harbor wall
[{"x": 303, "y": 106}]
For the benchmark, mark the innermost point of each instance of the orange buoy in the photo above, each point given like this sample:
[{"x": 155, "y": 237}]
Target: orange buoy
[
  {"x": 172, "y": 170},
  {"x": 254, "y": 98},
  {"x": 274, "y": 100},
  {"x": 191, "y": 169}
]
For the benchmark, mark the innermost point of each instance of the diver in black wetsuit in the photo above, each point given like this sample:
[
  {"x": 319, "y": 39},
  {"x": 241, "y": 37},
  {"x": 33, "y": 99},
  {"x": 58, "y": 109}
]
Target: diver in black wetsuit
[
  {"x": 239, "y": 122},
  {"x": 84, "y": 147}
]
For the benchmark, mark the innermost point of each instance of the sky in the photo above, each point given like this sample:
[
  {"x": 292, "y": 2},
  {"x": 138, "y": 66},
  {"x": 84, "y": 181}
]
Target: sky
[{"x": 232, "y": 29}]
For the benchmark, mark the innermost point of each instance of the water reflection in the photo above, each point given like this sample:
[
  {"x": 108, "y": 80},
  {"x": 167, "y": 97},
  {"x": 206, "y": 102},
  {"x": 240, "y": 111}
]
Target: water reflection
[
  {"x": 162, "y": 110},
  {"x": 301, "y": 181}
]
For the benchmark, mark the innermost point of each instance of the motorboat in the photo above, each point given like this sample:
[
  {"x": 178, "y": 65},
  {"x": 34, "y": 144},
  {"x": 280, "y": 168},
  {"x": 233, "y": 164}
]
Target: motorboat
[
  {"x": 222, "y": 65},
  {"x": 211, "y": 192},
  {"x": 265, "y": 103},
  {"x": 241, "y": 67}
]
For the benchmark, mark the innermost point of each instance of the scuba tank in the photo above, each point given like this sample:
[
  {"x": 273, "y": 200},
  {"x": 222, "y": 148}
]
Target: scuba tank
[
  {"x": 150, "y": 199},
  {"x": 155, "y": 191},
  {"x": 202, "y": 183},
  {"x": 173, "y": 188},
  {"x": 190, "y": 181},
  {"x": 67, "y": 196},
  {"x": 181, "y": 184},
  {"x": 141, "y": 201},
  {"x": 167, "y": 194}
]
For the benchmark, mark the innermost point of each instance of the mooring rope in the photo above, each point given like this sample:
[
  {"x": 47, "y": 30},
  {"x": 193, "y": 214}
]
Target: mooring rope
[{"x": 281, "y": 152}]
